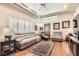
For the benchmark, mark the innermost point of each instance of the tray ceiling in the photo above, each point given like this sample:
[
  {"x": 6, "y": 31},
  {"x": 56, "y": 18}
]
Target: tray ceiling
[
  {"x": 46, "y": 8},
  {"x": 43, "y": 10}
]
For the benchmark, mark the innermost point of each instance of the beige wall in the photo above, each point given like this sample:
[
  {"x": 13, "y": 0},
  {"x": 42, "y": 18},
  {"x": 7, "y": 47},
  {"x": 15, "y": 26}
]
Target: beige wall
[
  {"x": 66, "y": 17},
  {"x": 60, "y": 18},
  {"x": 76, "y": 16},
  {"x": 77, "y": 29},
  {"x": 7, "y": 11},
  {"x": 76, "y": 11}
]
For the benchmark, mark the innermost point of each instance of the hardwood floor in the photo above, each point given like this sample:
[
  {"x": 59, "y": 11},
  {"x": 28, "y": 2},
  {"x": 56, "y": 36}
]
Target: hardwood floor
[{"x": 60, "y": 49}]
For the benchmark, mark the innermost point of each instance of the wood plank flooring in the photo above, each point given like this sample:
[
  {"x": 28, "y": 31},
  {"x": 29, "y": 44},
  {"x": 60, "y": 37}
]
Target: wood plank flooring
[{"x": 60, "y": 49}]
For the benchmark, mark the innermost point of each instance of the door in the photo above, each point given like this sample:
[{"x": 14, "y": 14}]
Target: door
[{"x": 47, "y": 29}]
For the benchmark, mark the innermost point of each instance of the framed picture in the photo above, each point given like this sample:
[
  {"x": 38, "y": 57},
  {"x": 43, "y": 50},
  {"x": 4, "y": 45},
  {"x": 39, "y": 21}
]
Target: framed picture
[
  {"x": 66, "y": 24},
  {"x": 36, "y": 28},
  {"x": 41, "y": 28},
  {"x": 56, "y": 26},
  {"x": 75, "y": 25}
]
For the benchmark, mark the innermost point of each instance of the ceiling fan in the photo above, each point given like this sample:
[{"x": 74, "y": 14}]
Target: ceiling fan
[{"x": 43, "y": 6}]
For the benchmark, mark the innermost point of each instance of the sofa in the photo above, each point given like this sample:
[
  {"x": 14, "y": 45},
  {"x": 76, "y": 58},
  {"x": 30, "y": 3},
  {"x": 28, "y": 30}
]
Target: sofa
[{"x": 26, "y": 40}]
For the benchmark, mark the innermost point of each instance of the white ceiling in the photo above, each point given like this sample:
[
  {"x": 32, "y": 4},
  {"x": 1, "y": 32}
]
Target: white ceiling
[{"x": 50, "y": 7}]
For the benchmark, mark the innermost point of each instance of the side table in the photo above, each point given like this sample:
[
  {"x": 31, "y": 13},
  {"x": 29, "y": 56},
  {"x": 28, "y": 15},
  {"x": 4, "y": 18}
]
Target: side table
[{"x": 7, "y": 47}]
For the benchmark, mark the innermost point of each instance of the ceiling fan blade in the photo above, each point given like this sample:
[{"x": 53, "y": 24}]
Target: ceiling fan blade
[
  {"x": 39, "y": 8},
  {"x": 43, "y": 6},
  {"x": 46, "y": 8}
]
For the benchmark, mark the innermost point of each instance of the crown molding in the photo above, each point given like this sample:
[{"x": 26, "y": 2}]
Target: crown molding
[
  {"x": 26, "y": 11},
  {"x": 70, "y": 8}
]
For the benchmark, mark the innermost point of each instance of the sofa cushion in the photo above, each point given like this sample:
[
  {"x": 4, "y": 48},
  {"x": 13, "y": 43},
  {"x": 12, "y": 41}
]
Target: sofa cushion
[
  {"x": 18, "y": 36},
  {"x": 20, "y": 39},
  {"x": 26, "y": 40}
]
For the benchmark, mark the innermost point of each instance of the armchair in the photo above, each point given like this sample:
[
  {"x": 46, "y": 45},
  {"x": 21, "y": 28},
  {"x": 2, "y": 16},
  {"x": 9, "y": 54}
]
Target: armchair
[{"x": 44, "y": 36}]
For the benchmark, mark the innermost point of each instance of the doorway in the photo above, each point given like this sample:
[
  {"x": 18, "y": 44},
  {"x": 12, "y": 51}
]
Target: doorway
[{"x": 47, "y": 29}]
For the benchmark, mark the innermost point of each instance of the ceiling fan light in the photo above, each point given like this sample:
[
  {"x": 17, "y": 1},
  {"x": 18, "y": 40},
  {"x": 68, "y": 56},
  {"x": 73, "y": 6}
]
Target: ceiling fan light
[{"x": 43, "y": 4}]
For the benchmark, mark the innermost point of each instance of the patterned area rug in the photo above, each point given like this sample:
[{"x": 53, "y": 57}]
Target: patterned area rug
[{"x": 42, "y": 49}]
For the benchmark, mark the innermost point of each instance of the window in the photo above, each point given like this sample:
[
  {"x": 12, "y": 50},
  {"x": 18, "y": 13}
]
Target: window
[
  {"x": 30, "y": 27},
  {"x": 20, "y": 26},
  {"x": 26, "y": 27},
  {"x": 13, "y": 24}
]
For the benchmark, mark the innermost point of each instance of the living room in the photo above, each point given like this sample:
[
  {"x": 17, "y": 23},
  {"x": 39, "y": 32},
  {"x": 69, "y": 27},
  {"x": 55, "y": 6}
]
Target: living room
[{"x": 32, "y": 32}]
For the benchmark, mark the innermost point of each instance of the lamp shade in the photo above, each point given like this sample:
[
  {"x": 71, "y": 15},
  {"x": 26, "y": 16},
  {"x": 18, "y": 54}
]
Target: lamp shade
[{"x": 7, "y": 31}]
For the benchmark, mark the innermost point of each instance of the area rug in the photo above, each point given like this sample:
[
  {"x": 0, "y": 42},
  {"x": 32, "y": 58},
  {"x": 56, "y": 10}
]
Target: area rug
[{"x": 42, "y": 49}]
